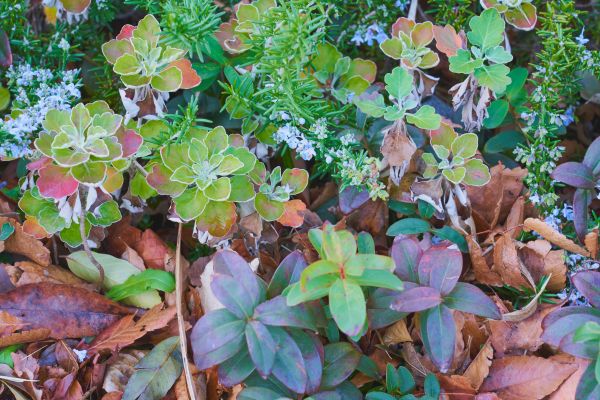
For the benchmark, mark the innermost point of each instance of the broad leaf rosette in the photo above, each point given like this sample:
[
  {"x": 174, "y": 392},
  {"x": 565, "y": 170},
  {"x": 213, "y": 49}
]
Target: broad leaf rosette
[
  {"x": 455, "y": 158},
  {"x": 87, "y": 145},
  {"x": 519, "y": 13},
  {"x": 432, "y": 289},
  {"x": 340, "y": 275},
  {"x": 235, "y": 36},
  {"x": 206, "y": 175},
  {"x": 343, "y": 76},
  {"x": 276, "y": 189},
  {"x": 400, "y": 89},
  {"x": 140, "y": 60},
  {"x": 409, "y": 43}
]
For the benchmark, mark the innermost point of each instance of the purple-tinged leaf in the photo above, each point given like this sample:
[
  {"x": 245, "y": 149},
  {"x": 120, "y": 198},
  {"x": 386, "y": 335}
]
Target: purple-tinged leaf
[
  {"x": 230, "y": 263},
  {"x": 236, "y": 369},
  {"x": 581, "y": 201},
  {"x": 258, "y": 393},
  {"x": 289, "y": 365},
  {"x": 216, "y": 337},
  {"x": 417, "y": 299},
  {"x": 352, "y": 198},
  {"x": 276, "y": 312},
  {"x": 560, "y": 326},
  {"x": 588, "y": 386},
  {"x": 588, "y": 283},
  {"x": 440, "y": 268},
  {"x": 230, "y": 292},
  {"x": 288, "y": 272},
  {"x": 469, "y": 298},
  {"x": 261, "y": 347},
  {"x": 439, "y": 335},
  {"x": 575, "y": 174},
  {"x": 407, "y": 253},
  {"x": 341, "y": 359},
  {"x": 379, "y": 311},
  {"x": 313, "y": 354},
  {"x": 592, "y": 157},
  {"x": 6, "y": 58}
]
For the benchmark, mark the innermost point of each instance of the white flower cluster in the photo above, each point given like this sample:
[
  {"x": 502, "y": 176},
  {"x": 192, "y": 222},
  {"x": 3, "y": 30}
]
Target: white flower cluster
[
  {"x": 295, "y": 140},
  {"x": 35, "y": 91}
]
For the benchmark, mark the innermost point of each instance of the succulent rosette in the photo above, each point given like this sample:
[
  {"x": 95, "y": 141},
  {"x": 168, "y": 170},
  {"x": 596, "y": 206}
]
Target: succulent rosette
[
  {"x": 344, "y": 76},
  {"x": 456, "y": 157},
  {"x": 276, "y": 189},
  {"x": 519, "y": 13},
  {"x": 87, "y": 145},
  {"x": 409, "y": 43},
  {"x": 235, "y": 36},
  {"x": 206, "y": 175},
  {"x": 140, "y": 60}
]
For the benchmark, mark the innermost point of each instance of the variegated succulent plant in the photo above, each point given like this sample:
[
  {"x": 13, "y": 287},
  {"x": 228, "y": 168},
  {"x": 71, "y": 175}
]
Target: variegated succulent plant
[
  {"x": 409, "y": 43},
  {"x": 140, "y": 60},
  {"x": 276, "y": 189},
  {"x": 235, "y": 36},
  {"x": 84, "y": 153},
  {"x": 521, "y": 14},
  {"x": 206, "y": 175},
  {"x": 455, "y": 157},
  {"x": 342, "y": 76}
]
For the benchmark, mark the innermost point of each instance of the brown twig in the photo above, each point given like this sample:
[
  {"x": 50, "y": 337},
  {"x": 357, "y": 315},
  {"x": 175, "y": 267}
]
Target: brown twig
[
  {"x": 180, "y": 321},
  {"x": 86, "y": 246}
]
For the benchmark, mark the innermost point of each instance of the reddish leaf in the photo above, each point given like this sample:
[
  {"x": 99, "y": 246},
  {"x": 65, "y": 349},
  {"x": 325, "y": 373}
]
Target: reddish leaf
[
  {"x": 130, "y": 141},
  {"x": 440, "y": 268},
  {"x": 68, "y": 312},
  {"x": 76, "y": 6},
  {"x": 189, "y": 75},
  {"x": 293, "y": 213},
  {"x": 126, "y": 32},
  {"x": 417, "y": 299},
  {"x": 406, "y": 253},
  {"x": 588, "y": 283},
  {"x": 20, "y": 242},
  {"x": 575, "y": 174},
  {"x": 56, "y": 182}
]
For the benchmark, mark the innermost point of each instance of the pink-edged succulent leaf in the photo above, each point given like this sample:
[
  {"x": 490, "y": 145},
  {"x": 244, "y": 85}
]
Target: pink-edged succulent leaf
[
  {"x": 126, "y": 32},
  {"x": 440, "y": 267},
  {"x": 160, "y": 180},
  {"x": 190, "y": 77},
  {"x": 169, "y": 80},
  {"x": 447, "y": 40},
  {"x": 443, "y": 136},
  {"x": 523, "y": 17},
  {"x": 268, "y": 209},
  {"x": 296, "y": 179},
  {"x": 56, "y": 182},
  {"x": 76, "y": 6},
  {"x": 422, "y": 34},
  {"x": 130, "y": 141},
  {"x": 367, "y": 69},
  {"x": 477, "y": 174},
  {"x": 469, "y": 298},
  {"x": 402, "y": 24},
  {"x": 39, "y": 163},
  {"x": 217, "y": 218},
  {"x": 588, "y": 283},
  {"x": 113, "y": 49},
  {"x": 417, "y": 299},
  {"x": 293, "y": 214},
  {"x": 6, "y": 57},
  {"x": 575, "y": 174},
  {"x": 407, "y": 254}
]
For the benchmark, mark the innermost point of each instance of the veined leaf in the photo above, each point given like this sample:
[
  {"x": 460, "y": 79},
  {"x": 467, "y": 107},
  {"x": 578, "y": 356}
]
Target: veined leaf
[{"x": 142, "y": 282}]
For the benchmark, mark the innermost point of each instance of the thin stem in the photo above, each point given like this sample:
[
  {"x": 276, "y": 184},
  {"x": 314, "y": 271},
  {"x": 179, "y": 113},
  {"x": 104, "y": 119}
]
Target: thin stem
[
  {"x": 412, "y": 11},
  {"x": 180, "y": 321},
  {"x": 86, "y": 246},
  {"x": 140, "y": 168}
]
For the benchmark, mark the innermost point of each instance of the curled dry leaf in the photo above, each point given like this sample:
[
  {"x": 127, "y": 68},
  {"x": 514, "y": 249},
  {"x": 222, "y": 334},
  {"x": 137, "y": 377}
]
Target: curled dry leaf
[
  {"x": 591, "y": 242},
  {"x": 119, "y": 370},
  {"x": 541, "y": 260},
  {"x": 398, "y": 149},
  {"x": 483, "y": 272},
  {"x": 26, "y": 272},
  {"x": 397, "y": 333},
  {"x": 554, "y": 237},
  {"x": 23, "y": 244},
  {"x": 30, "y": 336},
  {"x": 569, "y": 387},
  {"x": 9, "y": 323},
  {"x": 526, "y": 377},
  {"x": 479, "y": 368},
  {"x": 507, "y": 263},
  {"x": 67, "y": 311}
]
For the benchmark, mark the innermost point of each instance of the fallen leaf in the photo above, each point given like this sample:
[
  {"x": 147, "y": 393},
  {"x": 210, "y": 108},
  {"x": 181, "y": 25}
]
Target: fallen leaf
[
  {"x": 514, "y": 220},
  {"x": 69, "y": 312},
  {"x": 133, "y": 258},
  {"x": 152, "y": 249},
  {"x": 397, "y": 333},
  {"x": 526, "y": 377},
  {"x": 293, "y": 214},
  {"x": 479, "y": 368},
  {"x": 30, "y": 336},
  {"x": 554, "y": 237},
  {"x": 9, "y": 323},
  {"x": 455, "y": 387},
  {"x": 507, "y": 263},
  {"x": 181, "y": 390},
  {"x": 23, "y": 244},
  {"x": 569, "y": 386},
  {"x": 68, "y": 388},
  {"x": 541, "y": 260},
  {"x": 483, "y": 272},
  {"x": 26, "y": 272},
  {"x": 65, "y": 357},
  {"x": 120, "y": 370},
  {"x": 525, "y": 335},
  {"x": 591, "y": 242},
  {"x": 398, "y": 149},
  {"x": 125, "y": 331},
  {"x": 156, "y": 372}
]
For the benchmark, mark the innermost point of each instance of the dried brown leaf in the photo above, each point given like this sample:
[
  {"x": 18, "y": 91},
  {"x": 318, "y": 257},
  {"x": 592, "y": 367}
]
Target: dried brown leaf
[
  {"x": 483, "y": 273},
  {"x": 541, "y": 260},
  {"x": 9, "y": 323},
  {"x": 397, "y": 333},
  {"x": 526, "y": 377},
  {"x": 479, "y": 368},
  {"x": 591, "y": 242},
  {"x": 554, "y": 237},
  {"x": 30, "y": 336},
  {"x": 22, "y": 243},
  {"x": 119, "y": 370},
  {"x": 26, "y": 272},
  {"x": 569, "y": 386},
  {"x": 507, "y": 263}
]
